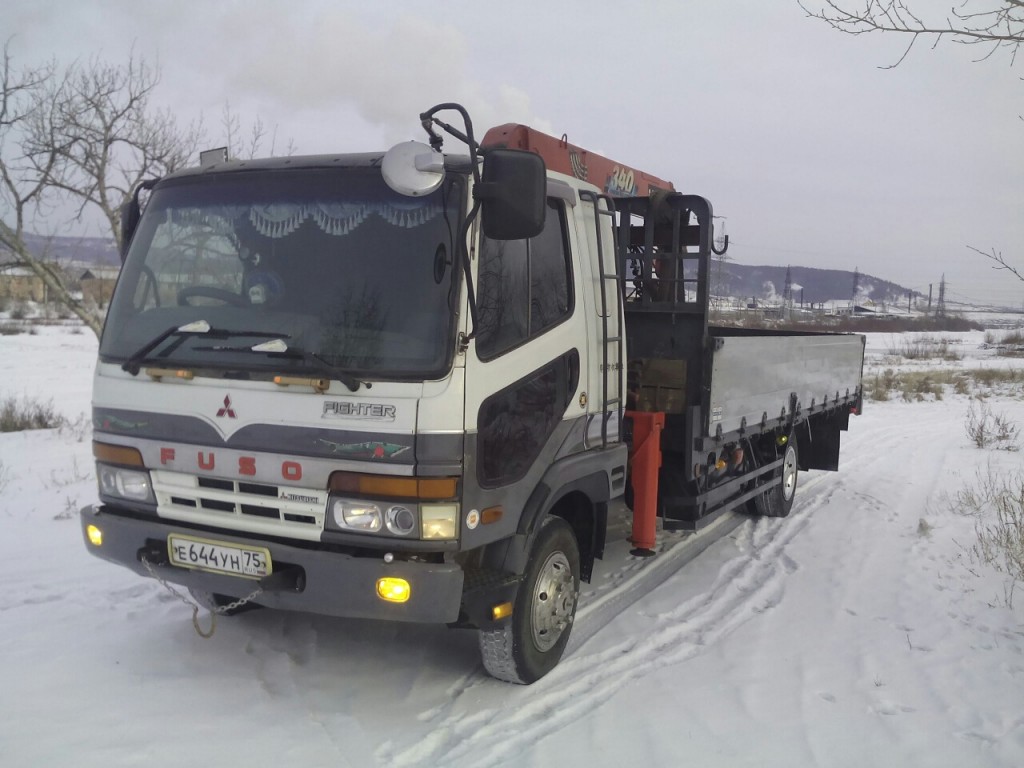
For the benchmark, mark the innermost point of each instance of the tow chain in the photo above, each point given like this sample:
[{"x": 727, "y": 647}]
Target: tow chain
[{"x": 214, "y": 612}]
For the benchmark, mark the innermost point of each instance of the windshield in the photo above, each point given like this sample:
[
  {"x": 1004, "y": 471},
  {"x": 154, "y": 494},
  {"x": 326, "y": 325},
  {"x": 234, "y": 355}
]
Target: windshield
[{"x": 344, "y": 271}]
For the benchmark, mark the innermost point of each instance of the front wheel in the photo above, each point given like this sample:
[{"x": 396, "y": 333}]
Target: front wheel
[
  {"x": 531, "y": 644},
  {"x": 778, "y": 501}
]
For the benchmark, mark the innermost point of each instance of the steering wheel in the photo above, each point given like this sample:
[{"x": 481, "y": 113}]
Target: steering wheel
[{"x": 209, "y": 292}]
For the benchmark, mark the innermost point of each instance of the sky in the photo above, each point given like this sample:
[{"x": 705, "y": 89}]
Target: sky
[{"x": 813, "y": 152}]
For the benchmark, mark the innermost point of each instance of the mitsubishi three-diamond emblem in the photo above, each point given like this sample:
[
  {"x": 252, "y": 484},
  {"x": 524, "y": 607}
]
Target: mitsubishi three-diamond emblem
[{"x": 227, "y": 410}]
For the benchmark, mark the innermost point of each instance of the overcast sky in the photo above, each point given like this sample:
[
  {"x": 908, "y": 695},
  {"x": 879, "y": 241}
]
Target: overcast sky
[{"x": 814, "y": 154}]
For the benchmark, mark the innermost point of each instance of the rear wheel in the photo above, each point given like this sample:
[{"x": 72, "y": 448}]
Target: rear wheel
[
  {"x": 778, "y": 501},
  {"x": 530, "y": 645}
]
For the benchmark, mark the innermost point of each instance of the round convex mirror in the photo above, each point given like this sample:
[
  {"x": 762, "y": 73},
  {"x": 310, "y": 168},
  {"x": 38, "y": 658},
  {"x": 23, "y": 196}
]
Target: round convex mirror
[{"x": 413, "y": 169}]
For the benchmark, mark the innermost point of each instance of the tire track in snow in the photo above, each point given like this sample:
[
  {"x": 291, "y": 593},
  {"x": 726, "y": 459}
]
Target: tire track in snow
[{"x": 748, "y": 584}]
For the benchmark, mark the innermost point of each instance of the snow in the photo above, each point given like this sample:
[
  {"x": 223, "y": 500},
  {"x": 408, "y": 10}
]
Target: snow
[{"x": 847, "y": 634}]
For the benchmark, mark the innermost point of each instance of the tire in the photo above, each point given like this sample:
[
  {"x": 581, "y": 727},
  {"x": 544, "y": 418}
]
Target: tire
[
  {"x": 532, "y": 642},
  {"x": 214, "y": 602},
  {"x": 778, "y": 501}
]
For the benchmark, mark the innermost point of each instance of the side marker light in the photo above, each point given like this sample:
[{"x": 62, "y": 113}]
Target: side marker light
[{"x": 95, "y": 535}]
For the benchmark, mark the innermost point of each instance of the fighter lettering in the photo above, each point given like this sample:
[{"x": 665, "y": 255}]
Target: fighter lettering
[{"x": 346, "y": 409}]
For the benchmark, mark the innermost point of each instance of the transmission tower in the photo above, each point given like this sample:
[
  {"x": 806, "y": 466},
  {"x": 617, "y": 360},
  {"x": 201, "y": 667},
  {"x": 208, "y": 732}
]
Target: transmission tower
[{"x": 940, "y": 305}]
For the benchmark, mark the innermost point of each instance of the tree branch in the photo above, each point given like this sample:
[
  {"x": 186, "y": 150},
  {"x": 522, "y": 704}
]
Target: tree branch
[
  {"x": 1002, "y": 27},
  {"x": 1000, "y": 262}
]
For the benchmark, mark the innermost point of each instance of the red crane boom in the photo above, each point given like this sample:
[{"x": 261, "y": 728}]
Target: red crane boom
[{"x": 559, "y": 155}]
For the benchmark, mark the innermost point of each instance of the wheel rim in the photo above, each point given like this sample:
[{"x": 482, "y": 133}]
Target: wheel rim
[
  {"x": 554, "y": 601},
  {"x": 789, "y": 474}
]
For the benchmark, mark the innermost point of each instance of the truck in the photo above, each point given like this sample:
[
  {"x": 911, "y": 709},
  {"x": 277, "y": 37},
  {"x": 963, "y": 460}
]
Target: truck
[{"x": 407, "y": 385}]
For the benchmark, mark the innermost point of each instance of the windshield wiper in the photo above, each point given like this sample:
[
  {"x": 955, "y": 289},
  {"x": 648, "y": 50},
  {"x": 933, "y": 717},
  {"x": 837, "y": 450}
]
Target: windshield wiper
[
  {"x": 197, "y": 328},
  {"x": 136, "y": 358},
  {"x": 277, "y": 348},
  {"x": 319, "y": 363}
]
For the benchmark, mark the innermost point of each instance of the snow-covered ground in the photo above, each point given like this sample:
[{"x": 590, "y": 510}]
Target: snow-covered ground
[{"x": 848, "y": 634}]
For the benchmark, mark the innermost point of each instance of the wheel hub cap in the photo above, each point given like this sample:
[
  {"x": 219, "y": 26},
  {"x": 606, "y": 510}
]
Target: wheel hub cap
[
  {"x": 554, "y": 601},
  {"x": 789, "y": 474}
]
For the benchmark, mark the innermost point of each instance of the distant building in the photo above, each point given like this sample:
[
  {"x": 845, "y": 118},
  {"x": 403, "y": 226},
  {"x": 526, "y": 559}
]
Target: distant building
[
  {"x": 98, "y": 284},
  {"x": 21, "y": 284}
]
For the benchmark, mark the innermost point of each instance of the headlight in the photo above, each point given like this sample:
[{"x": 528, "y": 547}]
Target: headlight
[
  {"x": 400, "y": 520},
  {"x": 440, "y": 521},
  {"x": 125, "y": 483},
  {"x": 356, "y": 515},
  {"x": 437, "y": 521}
]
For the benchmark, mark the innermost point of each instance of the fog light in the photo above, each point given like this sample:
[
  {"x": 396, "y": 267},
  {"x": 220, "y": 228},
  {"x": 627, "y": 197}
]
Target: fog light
[
  {"x": 439, "y": 520},
  {"x": 95, "y": 535},
  {"x": 392, "y": 589}
]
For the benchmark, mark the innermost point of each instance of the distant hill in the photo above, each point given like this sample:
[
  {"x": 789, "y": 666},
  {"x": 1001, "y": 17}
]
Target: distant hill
[
  {"x": 100, "y": 251},
  {"x": 812, "y": 285}
]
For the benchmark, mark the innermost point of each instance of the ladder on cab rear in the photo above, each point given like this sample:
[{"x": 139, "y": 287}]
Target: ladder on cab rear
[{"x": 612, "y": 343}]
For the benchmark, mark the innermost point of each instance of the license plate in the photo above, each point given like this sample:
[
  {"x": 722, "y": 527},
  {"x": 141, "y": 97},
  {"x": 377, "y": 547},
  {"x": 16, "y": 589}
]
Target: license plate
[{"x": 219, "y": 556}]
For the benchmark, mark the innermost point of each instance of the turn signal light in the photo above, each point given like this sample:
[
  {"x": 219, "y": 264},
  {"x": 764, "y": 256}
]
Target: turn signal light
[
  {"x": 392, "y": 589},
  {"x": 501, "y": 611},
  {"x": 389, "y": 486},
  {"x": 117, "y": 454},
  {"x": 95, "y": 535}
]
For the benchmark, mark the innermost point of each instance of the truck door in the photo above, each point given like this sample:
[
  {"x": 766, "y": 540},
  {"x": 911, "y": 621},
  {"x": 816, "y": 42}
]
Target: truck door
[{"x": 525, "y": 372}]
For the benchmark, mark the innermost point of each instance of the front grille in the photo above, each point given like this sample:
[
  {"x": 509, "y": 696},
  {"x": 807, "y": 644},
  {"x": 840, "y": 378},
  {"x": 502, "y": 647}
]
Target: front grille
[{"x": 240, "y": 506}]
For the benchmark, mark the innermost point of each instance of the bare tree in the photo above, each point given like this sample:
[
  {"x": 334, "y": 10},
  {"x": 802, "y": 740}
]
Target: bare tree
[
  {"x": 110, "y": 137},
  {"x": 30, "y": 147},
  {"x": 87, "y": 133},
  {"x": 251, "y": 147},
  {"x": 993, "y": 26}
]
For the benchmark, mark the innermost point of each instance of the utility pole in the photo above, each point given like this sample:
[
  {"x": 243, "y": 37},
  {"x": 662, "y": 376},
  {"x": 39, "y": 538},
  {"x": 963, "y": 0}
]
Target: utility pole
[{"x": 929, "y": 313}]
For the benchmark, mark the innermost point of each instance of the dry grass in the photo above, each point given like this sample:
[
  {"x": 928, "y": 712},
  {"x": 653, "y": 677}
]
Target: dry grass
[
  {"x": 987, "y": 428},
  {"x": 1008, "y": 344},
  {"x": 997, "y": 501},
  {"x": 18, "y": 415},
  {"x": 925, "y": 348},
  {"x": 932, "y": 384}
]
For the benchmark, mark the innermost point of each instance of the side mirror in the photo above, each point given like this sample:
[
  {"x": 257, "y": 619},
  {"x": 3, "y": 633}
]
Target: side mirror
[
  {"x": 513, "y": 194},
  {"x": 131, "y": 212},
  {"x": 130, "y": 215}
]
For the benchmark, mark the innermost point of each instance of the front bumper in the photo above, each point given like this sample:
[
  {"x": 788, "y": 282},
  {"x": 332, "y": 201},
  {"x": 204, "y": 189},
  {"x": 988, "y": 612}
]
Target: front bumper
[{"x": 329, "y": 583}]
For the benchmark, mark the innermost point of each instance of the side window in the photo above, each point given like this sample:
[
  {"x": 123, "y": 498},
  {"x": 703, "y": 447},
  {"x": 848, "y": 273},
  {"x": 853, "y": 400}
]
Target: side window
[
  {"x": 515, "y": 423},
  {"x": 524, "y": 286}
]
